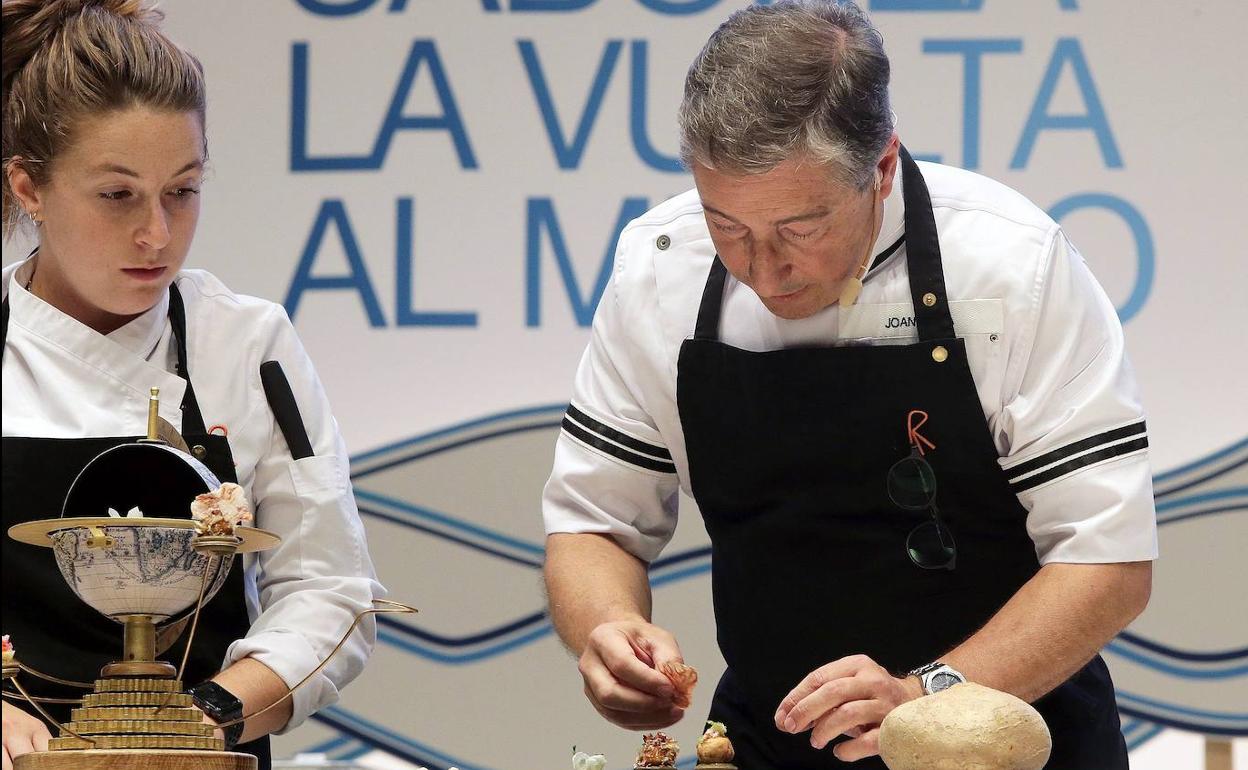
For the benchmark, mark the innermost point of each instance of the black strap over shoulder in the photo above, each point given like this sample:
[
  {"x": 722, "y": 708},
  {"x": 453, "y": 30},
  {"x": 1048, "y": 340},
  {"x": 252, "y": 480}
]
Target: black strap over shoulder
[
  {"x": 712, "y": 302},
  {"x": 192, "y": 418},
  {"x": 923, "y": 262}
]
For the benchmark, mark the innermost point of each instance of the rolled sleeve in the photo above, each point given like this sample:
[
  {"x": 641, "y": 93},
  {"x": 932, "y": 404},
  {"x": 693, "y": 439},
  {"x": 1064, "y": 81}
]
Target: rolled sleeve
[
  {"x": 613, "y": 473},
  {"x": 1078, "y": 442}
]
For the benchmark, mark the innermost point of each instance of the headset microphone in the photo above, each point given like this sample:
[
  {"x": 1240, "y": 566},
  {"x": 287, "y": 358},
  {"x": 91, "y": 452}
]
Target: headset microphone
[{"x": 853, "y": 287}]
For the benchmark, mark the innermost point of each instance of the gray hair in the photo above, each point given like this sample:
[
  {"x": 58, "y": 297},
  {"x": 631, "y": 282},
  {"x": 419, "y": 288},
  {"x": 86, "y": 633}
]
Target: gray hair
[{"x": 797, "y": 79}]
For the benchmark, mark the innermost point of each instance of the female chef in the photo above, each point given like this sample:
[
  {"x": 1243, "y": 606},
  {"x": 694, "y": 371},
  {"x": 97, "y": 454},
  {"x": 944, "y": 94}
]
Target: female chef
[{"x": 104, "y": 153}]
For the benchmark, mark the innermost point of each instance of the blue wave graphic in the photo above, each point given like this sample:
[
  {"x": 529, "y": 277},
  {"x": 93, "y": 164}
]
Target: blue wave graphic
[{"x": 1145, "y": 716}]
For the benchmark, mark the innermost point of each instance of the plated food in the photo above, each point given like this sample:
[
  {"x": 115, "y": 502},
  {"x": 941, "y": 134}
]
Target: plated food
[
  {"x": 583, "y": 761},
  {"x": 715, "y": 751},
  {"x": 658, "y": 752},
  {"x": 217, "y": 513}
]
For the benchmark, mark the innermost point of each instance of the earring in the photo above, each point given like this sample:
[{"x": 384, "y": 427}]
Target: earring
[{"x": 34, "y": 217}]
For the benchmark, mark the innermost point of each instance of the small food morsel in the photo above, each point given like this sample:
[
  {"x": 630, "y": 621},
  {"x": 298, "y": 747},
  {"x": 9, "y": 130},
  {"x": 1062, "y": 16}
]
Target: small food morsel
[
  {"x": 657, "y": 751},
  {"x": 217, "y": 513},
  {"x": 683, "y": 678},
  {"x": 8, "y": 652},
  {"x": 715, "y": 751},
  {"x": 966, "y": 727},
  {"x": 583, "y": 761}
]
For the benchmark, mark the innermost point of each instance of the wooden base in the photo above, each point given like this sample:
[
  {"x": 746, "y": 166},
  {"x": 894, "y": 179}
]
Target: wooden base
[
  {"x": 1217, "y": 754},
  {"x": 135, "y": 759},
  {"x": 157, "y": 669}
]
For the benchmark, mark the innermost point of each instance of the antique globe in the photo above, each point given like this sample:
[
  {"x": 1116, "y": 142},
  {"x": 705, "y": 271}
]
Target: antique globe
[{"x": 144, "y": 566}]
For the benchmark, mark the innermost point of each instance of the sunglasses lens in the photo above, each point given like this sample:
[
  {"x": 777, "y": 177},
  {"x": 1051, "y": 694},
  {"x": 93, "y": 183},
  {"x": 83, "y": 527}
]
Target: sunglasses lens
[
  {"x": 911, "y": 483},
  {"x": 931, "y": 546}
]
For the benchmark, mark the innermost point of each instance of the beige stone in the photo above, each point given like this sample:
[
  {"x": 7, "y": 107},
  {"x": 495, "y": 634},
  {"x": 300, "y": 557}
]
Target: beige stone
[{"x": 967, "y": 727}]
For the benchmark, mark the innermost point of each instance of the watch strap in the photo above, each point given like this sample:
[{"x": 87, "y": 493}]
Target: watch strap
[
  {"x": 221, "y": 706},
  {"x": 937, "y": 676}
]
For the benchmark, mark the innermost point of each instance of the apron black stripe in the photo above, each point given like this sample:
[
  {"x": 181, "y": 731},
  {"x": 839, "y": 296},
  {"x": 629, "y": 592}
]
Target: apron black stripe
[
  {"x": 607, "y": 432},
  {"x": 1082, "y": 461},
  {"x": 1083, "y": 445},
  {"x": 616, "y": 451}
]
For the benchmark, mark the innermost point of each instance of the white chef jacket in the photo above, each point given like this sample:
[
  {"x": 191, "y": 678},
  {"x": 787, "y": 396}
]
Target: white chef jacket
[
  {"x": 62, "y": 379},
  {"x": 1044, "y": 344}
]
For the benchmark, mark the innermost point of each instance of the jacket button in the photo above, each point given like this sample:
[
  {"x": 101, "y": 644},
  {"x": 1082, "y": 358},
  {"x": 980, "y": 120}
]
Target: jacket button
[
  {"x": 939, "y": 354},
  {"x": 663, "y": 242},
  {"x": 199, "y": 451},
  {"x": 929, "y": 299}
]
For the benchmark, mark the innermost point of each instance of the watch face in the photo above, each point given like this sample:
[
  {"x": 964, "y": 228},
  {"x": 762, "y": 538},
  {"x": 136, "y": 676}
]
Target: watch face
[{"x": 943, "y": 680}]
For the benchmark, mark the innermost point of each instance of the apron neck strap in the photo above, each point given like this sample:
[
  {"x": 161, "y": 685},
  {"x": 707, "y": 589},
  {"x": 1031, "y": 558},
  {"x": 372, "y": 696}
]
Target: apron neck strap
[
  {"x": 192, "y": 418},
  {"x": 923, "y": 264},
  {"x": 712, "y": 302}
]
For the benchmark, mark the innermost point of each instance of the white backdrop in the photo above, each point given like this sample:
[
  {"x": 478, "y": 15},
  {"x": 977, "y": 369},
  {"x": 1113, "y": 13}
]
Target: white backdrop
[{"x": 431, "y": 188}]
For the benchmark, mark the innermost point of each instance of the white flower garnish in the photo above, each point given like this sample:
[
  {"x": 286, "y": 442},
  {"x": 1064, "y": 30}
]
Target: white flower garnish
[
  {"x": 583, "y": 761},
  {"x": 133, "y": 513}
]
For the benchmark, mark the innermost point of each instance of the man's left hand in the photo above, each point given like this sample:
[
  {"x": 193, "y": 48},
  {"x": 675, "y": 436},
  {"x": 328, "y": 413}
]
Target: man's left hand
[{"x": 850, "y": 696}]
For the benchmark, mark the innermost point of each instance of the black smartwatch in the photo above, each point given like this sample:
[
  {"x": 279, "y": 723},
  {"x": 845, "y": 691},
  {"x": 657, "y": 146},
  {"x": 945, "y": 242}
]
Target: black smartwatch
[{"x": 221, "y": 706}]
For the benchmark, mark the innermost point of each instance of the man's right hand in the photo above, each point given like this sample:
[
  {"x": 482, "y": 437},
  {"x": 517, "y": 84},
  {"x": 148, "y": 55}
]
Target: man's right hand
[
  {"x": 620, "y": 667},
  {"x": 23, "y": 734}
]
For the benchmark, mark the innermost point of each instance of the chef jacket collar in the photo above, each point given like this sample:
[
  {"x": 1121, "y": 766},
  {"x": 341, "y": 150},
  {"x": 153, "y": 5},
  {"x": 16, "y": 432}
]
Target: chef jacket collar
[{"x": 140, "y": 336}]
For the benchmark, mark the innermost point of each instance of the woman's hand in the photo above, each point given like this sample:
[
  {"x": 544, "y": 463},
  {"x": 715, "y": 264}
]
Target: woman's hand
[{"x": 23, "y": 734}]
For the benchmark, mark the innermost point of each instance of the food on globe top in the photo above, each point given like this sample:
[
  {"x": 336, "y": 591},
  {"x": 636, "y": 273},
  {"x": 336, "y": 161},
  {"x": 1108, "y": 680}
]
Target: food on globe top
[
  {"x": 217, "y": 513},
  {"x": 683, "y": 678},
  {"x": 583, "y": 761},
  {"x": 7, "y": 648},
  {"x": 133, "y": 513},
  {"x": 657, "y": 750},
  {"x": 968, "y": 727},
  {"x": 714, "y": 748}
]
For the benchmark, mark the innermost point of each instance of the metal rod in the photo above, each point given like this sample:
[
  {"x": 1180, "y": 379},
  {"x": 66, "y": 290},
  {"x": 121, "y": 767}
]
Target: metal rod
[
  {"x": 386, "y": 606},
  {"x": 46, "y": 715},
  {"x": 50, "y": 678},
  {"x": 32, "y": 698},
  {"x": 153, "y": 414},
  {"x": 212, "y": 560}
]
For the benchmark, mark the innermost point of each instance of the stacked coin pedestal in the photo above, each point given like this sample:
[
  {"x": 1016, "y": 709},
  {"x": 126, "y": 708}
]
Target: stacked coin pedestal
[{"x": 123, "y": 713}]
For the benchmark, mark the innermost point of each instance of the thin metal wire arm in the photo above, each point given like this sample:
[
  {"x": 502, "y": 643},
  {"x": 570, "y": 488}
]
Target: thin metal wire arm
[
  {"x": 211, "y": 561},
  {"x": 33, "y": 698},
  {"x": 384, "y": 606},
  {"x": 35, "y": 702},
  {"x": 50, "y": 678}
]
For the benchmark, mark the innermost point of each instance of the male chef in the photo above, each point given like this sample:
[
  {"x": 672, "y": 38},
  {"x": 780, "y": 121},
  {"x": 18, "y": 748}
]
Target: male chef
[{"x": 896, "y": 393}]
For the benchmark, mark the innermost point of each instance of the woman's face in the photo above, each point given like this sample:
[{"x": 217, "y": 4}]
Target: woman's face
[{"x": 118, "y": 214}]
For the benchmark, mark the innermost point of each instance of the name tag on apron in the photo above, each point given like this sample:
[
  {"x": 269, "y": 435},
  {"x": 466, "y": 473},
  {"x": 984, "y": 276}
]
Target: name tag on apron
[{"x": 970, "y": 316}]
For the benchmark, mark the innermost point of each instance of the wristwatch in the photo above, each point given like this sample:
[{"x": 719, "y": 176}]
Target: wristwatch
[
  {"x": 937, "y": 676},
  {"x": 221, "y": 706}
]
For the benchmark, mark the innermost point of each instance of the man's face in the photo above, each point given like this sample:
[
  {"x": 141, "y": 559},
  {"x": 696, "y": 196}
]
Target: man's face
[{"x": 794, "y": 235}]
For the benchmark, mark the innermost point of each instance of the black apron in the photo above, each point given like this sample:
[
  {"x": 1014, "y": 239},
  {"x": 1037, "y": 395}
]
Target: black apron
[
  {"x": 51, "y": 628},
  {"x": 789, "y": 452}
]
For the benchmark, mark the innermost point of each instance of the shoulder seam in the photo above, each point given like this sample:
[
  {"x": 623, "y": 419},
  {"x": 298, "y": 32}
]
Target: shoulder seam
[{"x": 958, "y": 205}]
